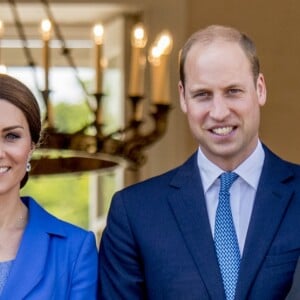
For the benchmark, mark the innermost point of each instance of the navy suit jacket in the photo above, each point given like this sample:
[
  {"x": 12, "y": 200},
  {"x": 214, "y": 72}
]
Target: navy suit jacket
[
  {"x": 158, "y": 242},
  {"x": 55, "y": 260}
]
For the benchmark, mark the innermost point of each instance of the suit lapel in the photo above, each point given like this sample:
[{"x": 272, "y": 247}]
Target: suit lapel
[
  {"x": 189, "y": 208},
  {"x": 272, "y": 198}
]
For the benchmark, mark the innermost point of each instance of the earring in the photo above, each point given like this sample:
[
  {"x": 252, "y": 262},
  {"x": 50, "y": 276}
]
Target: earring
[{"x": 28, "y": 167}]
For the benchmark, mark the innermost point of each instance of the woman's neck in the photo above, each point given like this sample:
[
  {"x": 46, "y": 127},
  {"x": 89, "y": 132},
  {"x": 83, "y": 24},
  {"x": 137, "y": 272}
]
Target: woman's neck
[
  {"x": 13, "y": 220},
  {"x": 13, "y": 213}
]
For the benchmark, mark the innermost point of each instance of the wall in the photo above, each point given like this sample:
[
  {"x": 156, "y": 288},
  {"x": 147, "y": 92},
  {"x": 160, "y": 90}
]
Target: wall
[
  {"x": 274, "y": 26},
  {"x": 177, "y": 144}
]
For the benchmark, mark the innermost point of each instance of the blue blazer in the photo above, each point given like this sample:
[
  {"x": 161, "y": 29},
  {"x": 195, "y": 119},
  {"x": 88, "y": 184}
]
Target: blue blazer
[
  {"x": 55, "y": 260},
  {"x": 158, "y": 242}
]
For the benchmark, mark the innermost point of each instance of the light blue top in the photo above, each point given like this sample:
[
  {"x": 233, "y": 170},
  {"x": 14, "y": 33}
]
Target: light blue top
[{"x": 5, "y": 267}]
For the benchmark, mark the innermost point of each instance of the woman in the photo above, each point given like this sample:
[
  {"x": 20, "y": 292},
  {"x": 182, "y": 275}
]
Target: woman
[{"x": 41, "y": 257}]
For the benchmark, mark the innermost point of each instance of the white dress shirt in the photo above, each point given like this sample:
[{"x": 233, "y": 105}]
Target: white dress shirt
[{"x": 242, "y": 191}]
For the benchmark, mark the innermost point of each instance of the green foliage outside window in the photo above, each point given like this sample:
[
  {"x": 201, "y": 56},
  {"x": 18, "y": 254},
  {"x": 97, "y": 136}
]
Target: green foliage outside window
[
  {"x": 64, "y": 196},
  {"x": 71, "y": 118}
]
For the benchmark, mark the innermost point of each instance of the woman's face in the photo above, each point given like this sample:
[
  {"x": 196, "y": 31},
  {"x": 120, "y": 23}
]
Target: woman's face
[{"x": 15, "y": 147}]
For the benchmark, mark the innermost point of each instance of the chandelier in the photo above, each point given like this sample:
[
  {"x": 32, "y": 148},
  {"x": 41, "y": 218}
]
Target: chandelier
[{"x": 90, "y": 148}]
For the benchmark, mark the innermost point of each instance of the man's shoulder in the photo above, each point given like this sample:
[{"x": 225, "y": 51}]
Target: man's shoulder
[
  {"x": 279, "y": 165},
  {"x": 166, "y": 178}
]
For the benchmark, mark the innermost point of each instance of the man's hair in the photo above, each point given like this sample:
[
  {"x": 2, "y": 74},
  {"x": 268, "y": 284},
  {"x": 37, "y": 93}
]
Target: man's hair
[{"x": 217, "y": 32}]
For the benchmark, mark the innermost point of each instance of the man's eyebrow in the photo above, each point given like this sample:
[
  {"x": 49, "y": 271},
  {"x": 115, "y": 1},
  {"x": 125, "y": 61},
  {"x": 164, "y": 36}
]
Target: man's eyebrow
[{"x": 234, "y": 85}]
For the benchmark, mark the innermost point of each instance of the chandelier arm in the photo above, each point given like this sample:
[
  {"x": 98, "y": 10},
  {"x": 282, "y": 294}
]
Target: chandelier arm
[
  {"x": 66, "y": 52},
  {"x": 132, "y": 148},
  {"x": 22, "y": 36},
  {"x": 134, "y": 123},
  {"x": 120, "y": 131}
]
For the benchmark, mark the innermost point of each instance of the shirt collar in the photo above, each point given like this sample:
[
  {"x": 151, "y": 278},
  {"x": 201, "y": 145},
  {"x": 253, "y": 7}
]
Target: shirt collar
[{"x": 249, "y": 170}]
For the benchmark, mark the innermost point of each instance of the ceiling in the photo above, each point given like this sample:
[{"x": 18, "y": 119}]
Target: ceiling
[
  {"x": 74, "y": 18},
  {"x": 66, "y": 13}
]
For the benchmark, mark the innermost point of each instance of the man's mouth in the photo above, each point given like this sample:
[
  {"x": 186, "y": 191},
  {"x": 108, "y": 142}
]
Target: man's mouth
[{"x": 223, "y": 130}]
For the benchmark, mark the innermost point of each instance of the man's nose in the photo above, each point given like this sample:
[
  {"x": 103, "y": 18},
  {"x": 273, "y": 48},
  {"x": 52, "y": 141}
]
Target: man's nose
[{"x": 219, "y": 109}]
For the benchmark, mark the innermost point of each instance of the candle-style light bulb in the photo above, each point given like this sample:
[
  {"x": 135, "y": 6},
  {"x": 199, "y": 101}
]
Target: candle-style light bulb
[
  {"x": 138, "y": 61},
  {"x": 98, "y": 31},
  {"x": 154, "y": 55},
  {"x": 46, "y": 27},
  {"x": 46, "y": 34},
  {"x": 1, "y": 29},
  {"x": 138, "y": 36},
  {"x": 165, "y": 42},
  {"x": 158, "y": 58}
]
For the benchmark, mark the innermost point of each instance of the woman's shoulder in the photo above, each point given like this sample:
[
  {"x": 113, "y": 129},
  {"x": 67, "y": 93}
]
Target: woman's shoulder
[{"x": 40, "y": 218}]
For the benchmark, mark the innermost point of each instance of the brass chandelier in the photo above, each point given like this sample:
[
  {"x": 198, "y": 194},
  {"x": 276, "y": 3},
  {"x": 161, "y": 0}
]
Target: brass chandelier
[{"x": 90, "y": 148}]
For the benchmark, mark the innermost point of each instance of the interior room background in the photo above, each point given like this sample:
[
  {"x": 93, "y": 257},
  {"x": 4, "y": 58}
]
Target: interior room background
[{"x": 274, "y": 26}]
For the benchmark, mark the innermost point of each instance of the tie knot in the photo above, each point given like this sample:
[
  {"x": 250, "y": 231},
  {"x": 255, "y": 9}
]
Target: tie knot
[{"x": 227, "y": 179}]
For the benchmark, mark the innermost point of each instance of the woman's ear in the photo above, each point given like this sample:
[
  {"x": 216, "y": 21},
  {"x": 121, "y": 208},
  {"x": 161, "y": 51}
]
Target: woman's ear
[{"x": 33, "y": 147}]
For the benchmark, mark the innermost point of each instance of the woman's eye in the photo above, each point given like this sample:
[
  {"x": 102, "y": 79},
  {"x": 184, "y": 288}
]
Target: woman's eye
[{"x": 12, "y": 136}]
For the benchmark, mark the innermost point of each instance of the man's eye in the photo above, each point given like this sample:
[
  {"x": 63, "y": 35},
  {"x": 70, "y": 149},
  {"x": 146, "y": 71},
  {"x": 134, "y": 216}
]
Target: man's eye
[
  {"x": 234, "y": 91},
  {"x": 202, "y": 95}
]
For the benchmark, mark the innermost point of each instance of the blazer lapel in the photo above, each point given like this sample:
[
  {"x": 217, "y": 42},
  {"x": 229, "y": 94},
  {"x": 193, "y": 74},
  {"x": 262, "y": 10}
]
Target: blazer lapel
[
  {"x": 30, "y": 263},
  {"x": 189, "y": 208},
  {"x": 271, "y": 201},
  {"x": 28, "y": 267}
]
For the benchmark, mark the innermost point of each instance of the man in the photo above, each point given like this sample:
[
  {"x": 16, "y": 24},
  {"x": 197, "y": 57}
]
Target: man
[{"x": 165, "y": 237}]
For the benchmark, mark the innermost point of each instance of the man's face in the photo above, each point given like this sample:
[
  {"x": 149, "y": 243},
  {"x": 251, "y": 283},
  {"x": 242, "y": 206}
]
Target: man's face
[{"x": 222, "y": 102}]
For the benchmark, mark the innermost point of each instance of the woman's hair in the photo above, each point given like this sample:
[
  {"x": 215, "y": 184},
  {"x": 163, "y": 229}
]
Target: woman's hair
[
  {"x": 18, "y": 94},
  {"x": 218, "y": 32}
]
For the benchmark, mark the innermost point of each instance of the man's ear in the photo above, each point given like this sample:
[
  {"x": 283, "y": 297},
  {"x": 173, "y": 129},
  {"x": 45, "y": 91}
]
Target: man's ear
[
  {"x": 182, "y": 96},
  {"x": 261, "y": 90}
]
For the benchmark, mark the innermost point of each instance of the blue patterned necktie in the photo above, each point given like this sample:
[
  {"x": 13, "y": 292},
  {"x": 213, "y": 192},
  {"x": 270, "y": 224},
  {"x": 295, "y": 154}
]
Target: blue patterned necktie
[{"x": 226, "y": 242}]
